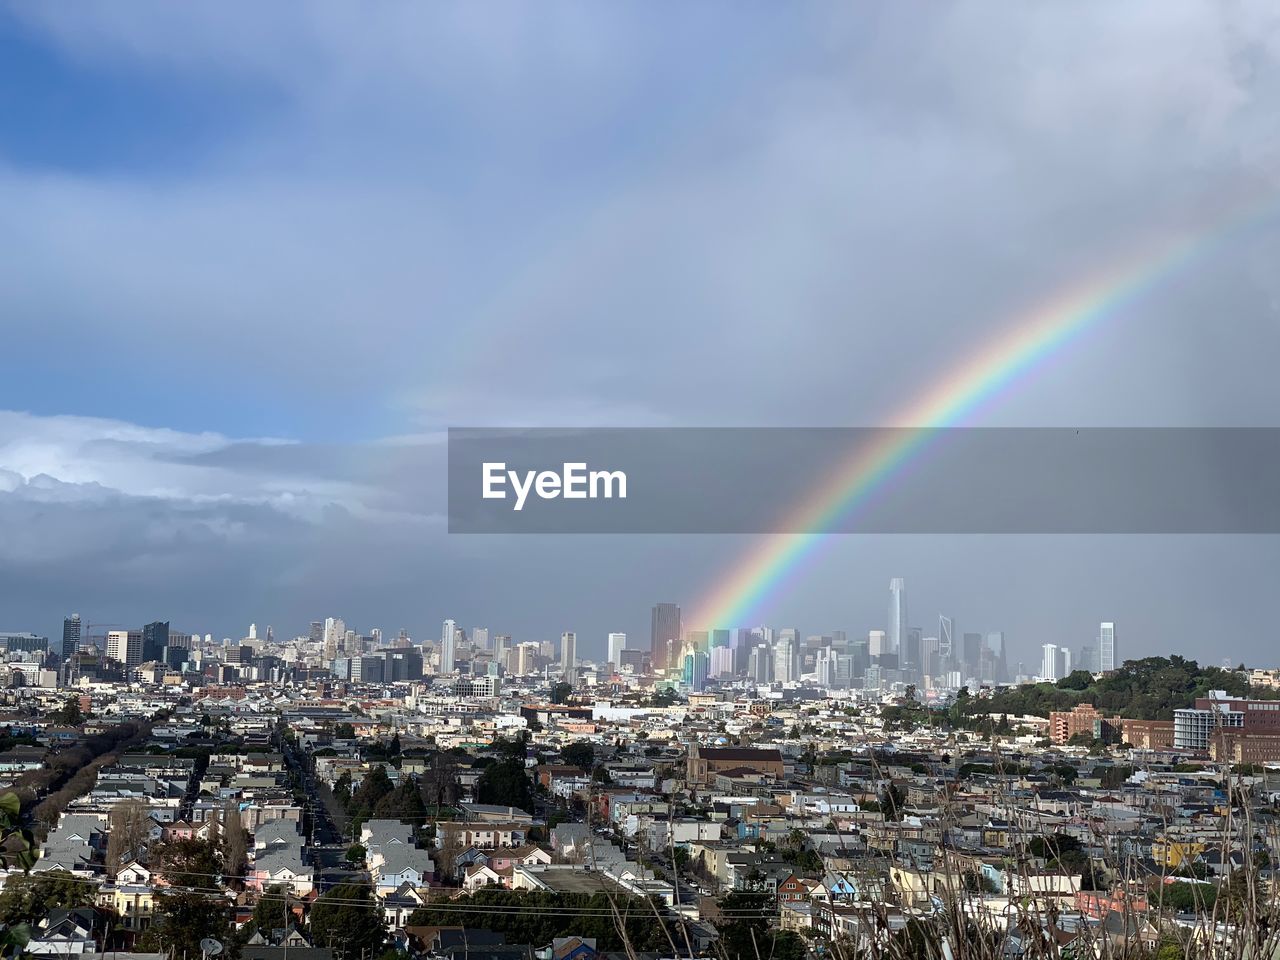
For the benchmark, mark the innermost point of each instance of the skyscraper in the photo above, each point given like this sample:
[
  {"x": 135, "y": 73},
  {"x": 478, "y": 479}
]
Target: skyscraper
[
  {"x": 480, "y": 638},
  {"x": 665, "y": 633},
  {"x": 568, "y": 652},
  {"x": 784, "y": 658},
  {"x": 971, "y": 655},
  {"x": 910, "y": 654},
  {"x": 695, "y": 666},
  {"x": 70, "y": 636},
  {"x": 617, "y": 643},
  {"x": 448, "y": 646},
  {"x": 335, "y": 632},
  {"x": 155, "y": 637},
  {"x": 897, "y": 632},
  {"x": 125, "y": 646},
  {"x": 995, "y": 650},
  {"x": 1107, "y": 647},
  {"x": 1049, "y": 662}
]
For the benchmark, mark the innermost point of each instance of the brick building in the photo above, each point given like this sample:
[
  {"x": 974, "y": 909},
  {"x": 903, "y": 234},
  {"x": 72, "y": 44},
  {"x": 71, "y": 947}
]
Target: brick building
[
  {"x": 1148, "y": 734},
  {"x": 1085, "y": 719},
  {"x": 705, "y": 763}
]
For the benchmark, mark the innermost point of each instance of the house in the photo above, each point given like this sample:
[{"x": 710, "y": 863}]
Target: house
[
  {"x": 133, "y": 873},
  {"x": 133, "y": 904},
  {"x": 481, "y": 875},
  {"x": 485, "y": 835},
  {"x": 392, "y": 857},
  {"x": 573, "y": 948},
  {"x": 398, "y": 905},
  {"x": 792, "y": 888},
  {"x": 277, "y": 860},
  {"x": 68, "y": 932},
  {"x": 500, "y": 860}
]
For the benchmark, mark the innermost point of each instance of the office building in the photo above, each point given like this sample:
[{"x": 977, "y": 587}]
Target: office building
[
  {"x": 666, "y": 632},
  {"x": 23, "y": 643},
  {"x": 402, "y": 666},
  {"x": 70, "y": 636},
  {"x": 971, "y": 654},
  {"x": 155, "y": 637},
  {"x": 448, "y": 646},
  {"x": 125, "y": 647},
  {"x": 897, "y": 633},
  {"x": 617, "y": 643},
  {"x": 695, "y": 668},
  {"x": 1049, "y": 662},
  {"x": 784, "y": 659},
  {"x": 1107, "y": 647},
  {"x": 568, "y": 652}
]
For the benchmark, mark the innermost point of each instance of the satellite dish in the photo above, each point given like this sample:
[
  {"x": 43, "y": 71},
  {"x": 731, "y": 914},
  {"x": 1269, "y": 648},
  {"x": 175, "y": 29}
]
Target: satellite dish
[{"x": 210, "y": 947}]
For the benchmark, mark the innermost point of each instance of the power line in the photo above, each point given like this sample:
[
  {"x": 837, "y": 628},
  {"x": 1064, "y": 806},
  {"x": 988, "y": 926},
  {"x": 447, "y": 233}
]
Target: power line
[{"x": 219, "y": 894}]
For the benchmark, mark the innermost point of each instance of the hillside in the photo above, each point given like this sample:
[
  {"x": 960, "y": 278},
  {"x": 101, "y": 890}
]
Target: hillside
[{"x": 1148, "y": 689}]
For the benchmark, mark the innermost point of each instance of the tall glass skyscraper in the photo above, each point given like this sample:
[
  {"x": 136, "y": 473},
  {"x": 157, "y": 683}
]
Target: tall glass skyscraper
[
  {"x": 70, "y": 636},
  {"x": 665, "y": 633},
  {"x": 155, "y": 637},
  {"x": 897, "y": 615},
  {"x": 448, "y": 646},
  {"x": 1107, "y": 647}
]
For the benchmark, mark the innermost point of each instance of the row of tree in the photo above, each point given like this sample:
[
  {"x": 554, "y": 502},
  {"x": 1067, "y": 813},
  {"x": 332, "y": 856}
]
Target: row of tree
[{"x": 1147, "y": 689}]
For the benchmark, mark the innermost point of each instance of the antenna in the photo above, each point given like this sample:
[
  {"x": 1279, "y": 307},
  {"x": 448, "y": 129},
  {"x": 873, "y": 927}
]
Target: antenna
[{"x": 210, "y": 947}]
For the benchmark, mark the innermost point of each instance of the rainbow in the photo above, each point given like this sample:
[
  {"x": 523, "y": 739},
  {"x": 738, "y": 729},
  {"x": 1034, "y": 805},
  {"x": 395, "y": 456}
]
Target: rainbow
[{"x": 1034, "y": 338}]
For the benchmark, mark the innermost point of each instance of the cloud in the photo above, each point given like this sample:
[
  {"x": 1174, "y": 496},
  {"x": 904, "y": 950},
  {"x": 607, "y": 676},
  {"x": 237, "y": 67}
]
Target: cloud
[{"x": 404, "y": 218}]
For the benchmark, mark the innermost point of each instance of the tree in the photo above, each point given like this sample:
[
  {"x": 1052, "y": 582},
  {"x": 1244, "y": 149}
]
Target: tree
[
  {"x": 364, "y": 801},
  {"x": 128, "y": 829},
  {"x": 28, "y": 897},
  {"x": 69, "y": 713},
  {"x": 190, "y": 863},
  {"x": 748, "y": 934},
  {"x": 664, "y": 697},
  {"x": 525, "y": 916},
  {"x": 344, "y": 731},
  {"x": 342, "y": 789},
  {"x": 271, "y": 912},
  {"x": 235, "y": 842},
  {"x": 182, "y": 920},
  {"x": 505, "y": 784},
  {"x": 579, "y": 754},
  {"x": 892, "y": 801},
  {"x": 561, "y": 692},
  {"x": 402, "y": 803},
  {"x": 348, "y": 920},
  {"x": 355, "y": 853},
  {"x": 439, "y": 782}
]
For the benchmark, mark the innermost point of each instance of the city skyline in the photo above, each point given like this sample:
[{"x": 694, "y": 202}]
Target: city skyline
[
  {"x": 321, "y": 326},
  {"x": 874, "y": 639}
]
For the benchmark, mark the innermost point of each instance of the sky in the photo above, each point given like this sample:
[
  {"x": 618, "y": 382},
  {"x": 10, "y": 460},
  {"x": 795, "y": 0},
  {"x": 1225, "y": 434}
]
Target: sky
[{"x": 255, "y": 262}]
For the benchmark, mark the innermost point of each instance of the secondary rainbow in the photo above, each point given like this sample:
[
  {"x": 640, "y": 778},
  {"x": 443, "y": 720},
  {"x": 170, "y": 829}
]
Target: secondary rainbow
[{"x": 1034, "y": 338}]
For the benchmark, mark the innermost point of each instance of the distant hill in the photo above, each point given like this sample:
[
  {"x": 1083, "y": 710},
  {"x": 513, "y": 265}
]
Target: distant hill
[{"x": 1148, "y": 689}]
